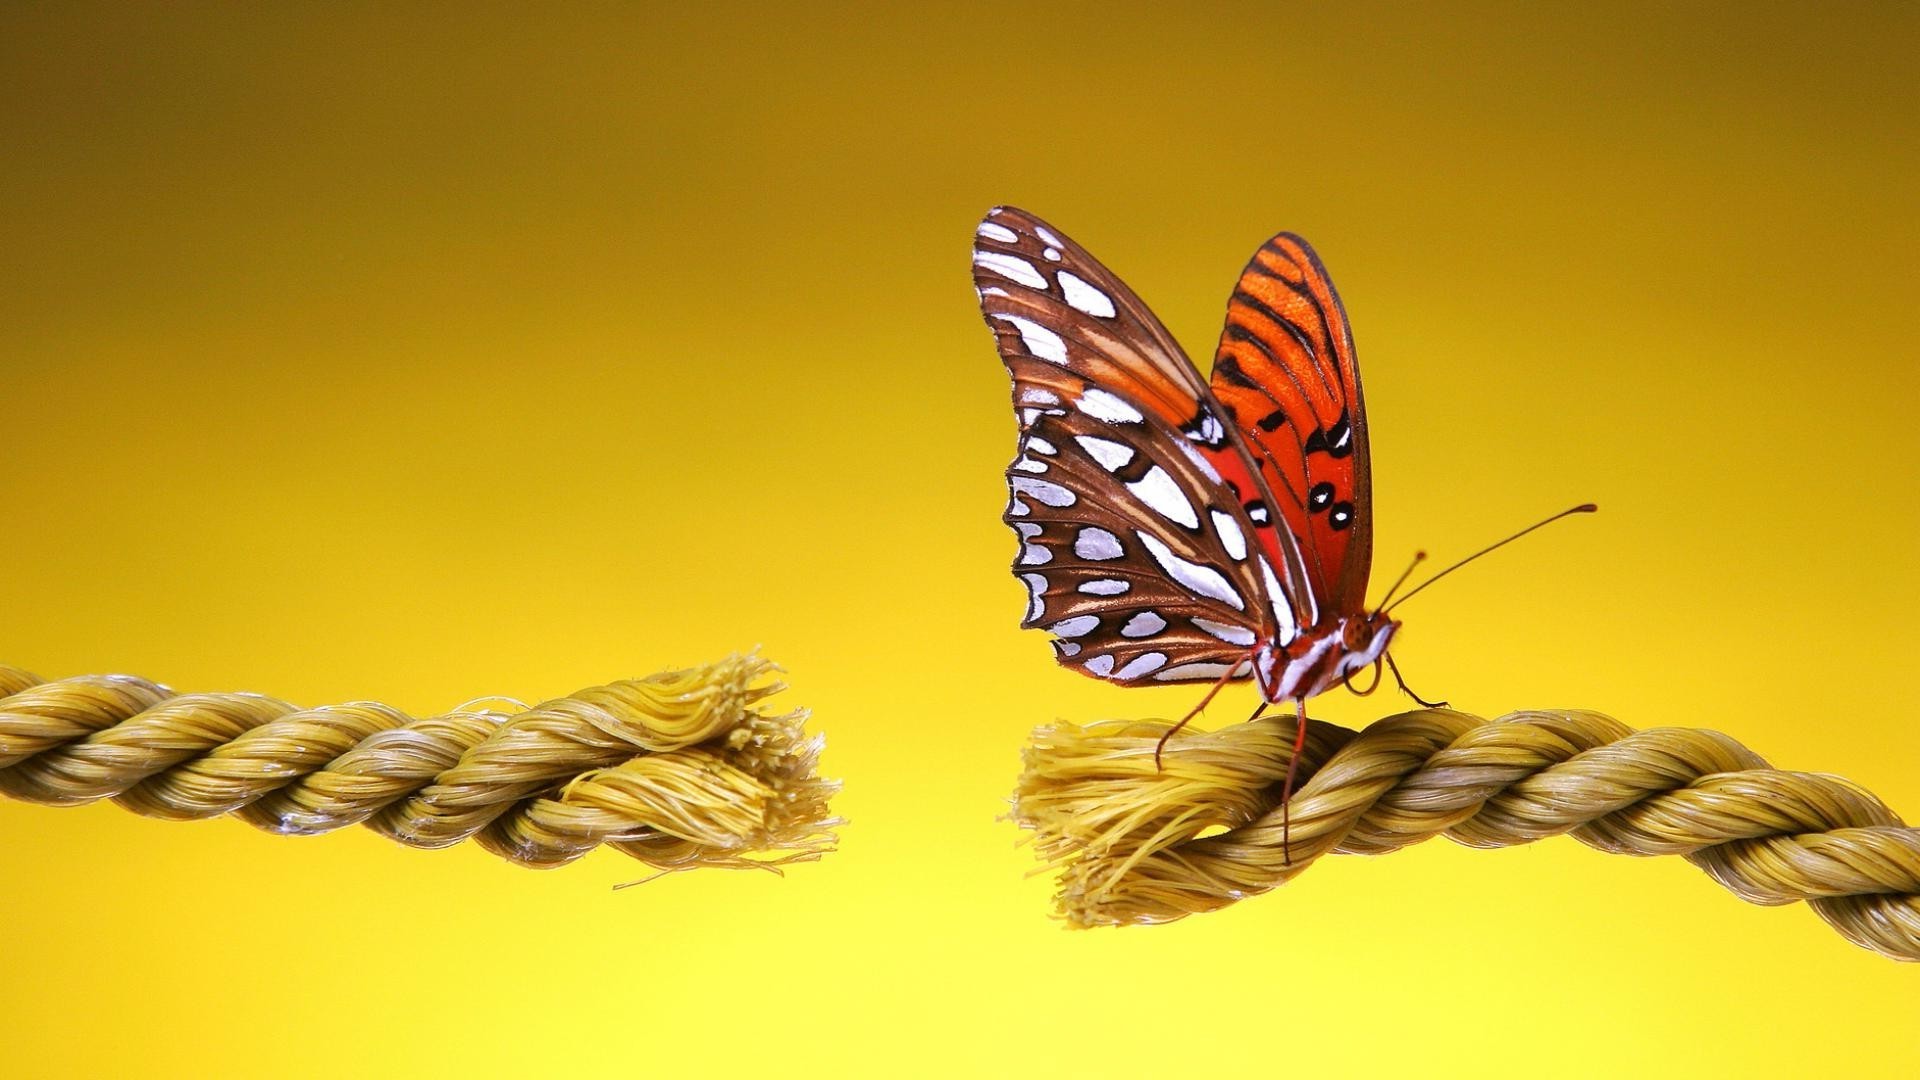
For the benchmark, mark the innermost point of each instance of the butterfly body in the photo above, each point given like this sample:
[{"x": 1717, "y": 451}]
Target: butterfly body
[
  {"x": 1174, "y": 529},
  {"x": 1320, "y": 660}
]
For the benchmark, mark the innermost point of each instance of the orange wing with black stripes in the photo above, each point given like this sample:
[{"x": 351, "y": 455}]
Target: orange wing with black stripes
[{"x": 1285, "y": 371}]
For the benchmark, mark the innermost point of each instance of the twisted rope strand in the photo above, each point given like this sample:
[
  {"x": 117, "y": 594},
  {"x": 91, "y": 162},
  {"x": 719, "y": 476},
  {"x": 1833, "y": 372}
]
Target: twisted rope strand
[
  {"x": 1134, "y": 844},
  {"x": 679, "y": 769}
]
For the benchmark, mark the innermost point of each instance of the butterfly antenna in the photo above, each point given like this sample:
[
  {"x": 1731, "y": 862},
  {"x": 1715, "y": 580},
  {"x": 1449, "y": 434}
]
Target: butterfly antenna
[
  {"x": 1583, "y": 508},
  {"x": 1418, "y": 558}
]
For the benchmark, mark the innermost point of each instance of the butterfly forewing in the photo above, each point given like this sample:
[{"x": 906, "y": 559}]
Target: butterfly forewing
[
  {"x": 1286, "y": 374},
  {"x": 1064, "y": 321}
]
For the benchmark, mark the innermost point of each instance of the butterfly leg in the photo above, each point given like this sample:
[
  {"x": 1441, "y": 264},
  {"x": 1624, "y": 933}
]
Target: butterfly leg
[
  {"x": 1408, "y": 690},
  {"x": 1286, "y": 789},
  {"x": 1185, "y": 720}
]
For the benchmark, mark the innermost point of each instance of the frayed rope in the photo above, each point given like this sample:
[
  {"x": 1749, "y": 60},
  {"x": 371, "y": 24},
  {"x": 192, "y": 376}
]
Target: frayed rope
[
  {"x": 679, "y": 770},
  {"x": 1135, "y": 844}
]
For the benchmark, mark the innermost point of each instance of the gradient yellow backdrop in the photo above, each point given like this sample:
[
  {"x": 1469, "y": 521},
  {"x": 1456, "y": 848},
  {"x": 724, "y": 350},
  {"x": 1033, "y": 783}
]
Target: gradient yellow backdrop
[{"x": 419, "y": 353}]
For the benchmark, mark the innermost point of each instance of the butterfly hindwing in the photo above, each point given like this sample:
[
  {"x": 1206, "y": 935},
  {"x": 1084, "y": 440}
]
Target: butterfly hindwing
[
  {"x": 1285, "y": 372},
  {"x": 1129, "y": 558}
]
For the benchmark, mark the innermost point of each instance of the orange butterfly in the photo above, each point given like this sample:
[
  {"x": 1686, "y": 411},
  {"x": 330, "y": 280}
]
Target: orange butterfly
[{"x": 1179, "y": 530}]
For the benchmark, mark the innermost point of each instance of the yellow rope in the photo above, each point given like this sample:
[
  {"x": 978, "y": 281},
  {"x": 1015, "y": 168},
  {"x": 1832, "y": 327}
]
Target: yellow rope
[
  {"x": 679, "y": 769},
  {"x": 1134, "y": 844}
]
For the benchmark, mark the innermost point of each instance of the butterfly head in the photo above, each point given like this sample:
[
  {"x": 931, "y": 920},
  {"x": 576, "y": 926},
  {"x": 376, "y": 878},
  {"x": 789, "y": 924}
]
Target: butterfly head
[{"x": 1320, "y": 660}]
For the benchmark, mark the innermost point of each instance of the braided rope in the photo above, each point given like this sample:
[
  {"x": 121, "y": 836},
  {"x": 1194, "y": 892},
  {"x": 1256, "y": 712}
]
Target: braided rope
[
  {"x": 678, "y": 770},
  {"x": 1135, "y": 844}
]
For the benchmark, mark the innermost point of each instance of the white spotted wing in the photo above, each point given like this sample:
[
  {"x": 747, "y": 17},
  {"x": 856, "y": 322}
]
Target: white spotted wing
[
  {"x": 1063, "y": 322},
  {"x": 1135, "y": 554}
]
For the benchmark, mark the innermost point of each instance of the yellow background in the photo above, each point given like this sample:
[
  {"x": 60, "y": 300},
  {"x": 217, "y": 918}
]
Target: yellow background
[{"x": 423, "y": 353}]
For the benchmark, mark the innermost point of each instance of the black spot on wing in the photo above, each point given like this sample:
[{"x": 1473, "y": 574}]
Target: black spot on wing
[
  {"x": 1335, "y": 441},
  {"x": 1206, "y": 429}
]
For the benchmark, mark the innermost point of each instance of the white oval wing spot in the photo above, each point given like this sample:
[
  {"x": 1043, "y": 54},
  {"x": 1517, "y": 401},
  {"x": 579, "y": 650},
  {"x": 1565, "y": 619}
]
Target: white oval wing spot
[
  {"x": 1048, "y": 492},
  {"x": 1041, "y": 446},
  {"x": 1076, "y": 626},
  {"x": 1102, "y": 405},
  {"x": 1231, "y": 537},
  {"x": 1158, "y": 490},
  {"x": 1036, "y": 604},
  {"x": 1101, "y": 665},
  {"x": 1104, "y": 587},
  {"x": 1141, "y": 664},
  {"x": 1227, "y": 632},
  {"x": 1111, "y": 455},
  {"x": 1027, "y": 529},
  {"x": 1029, "y": 465},
  {"x": 1038, "y": 395},
  {"x": 1011, "y": 267},
  {"x": 1143, "y": 624},
  {"x": 1046, "y": 237},
  {"x": 1097, "y": 545},
  {"x": 1052, "y": 254},
  {"x": 1282, "y": 606},
  {"x": 995, "y": 231},
  {"x": 1034, "y": 555},
  {"x": 1039, "y": 340},
  {"x": 1067, "y": 648},
  {"x": 1085, "y": 297},
  {"x": 1200, "y": 580}
]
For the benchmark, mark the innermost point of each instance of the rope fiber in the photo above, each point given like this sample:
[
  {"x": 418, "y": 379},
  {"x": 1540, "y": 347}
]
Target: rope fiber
[
  {"x": 1136, "y": 844},
  {"x": 679, "y": 769}
]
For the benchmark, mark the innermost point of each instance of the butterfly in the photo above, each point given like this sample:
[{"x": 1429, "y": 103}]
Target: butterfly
[{"x": 1174, "y": 529}]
